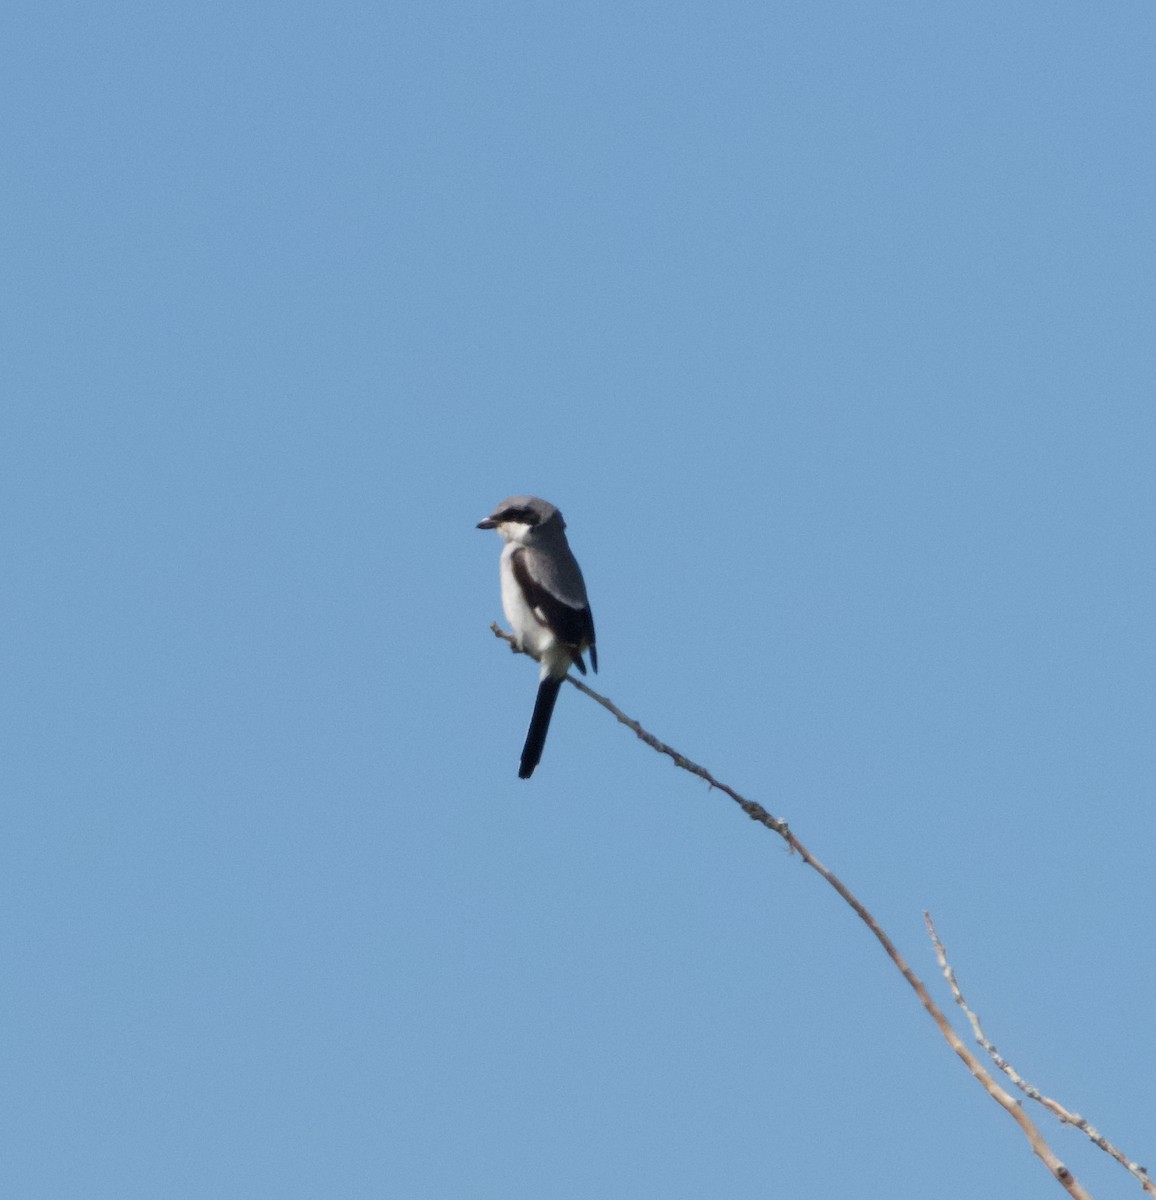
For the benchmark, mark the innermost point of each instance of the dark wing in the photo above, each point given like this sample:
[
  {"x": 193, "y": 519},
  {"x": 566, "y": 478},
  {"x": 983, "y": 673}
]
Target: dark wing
[{"x": 573, "y": 627}]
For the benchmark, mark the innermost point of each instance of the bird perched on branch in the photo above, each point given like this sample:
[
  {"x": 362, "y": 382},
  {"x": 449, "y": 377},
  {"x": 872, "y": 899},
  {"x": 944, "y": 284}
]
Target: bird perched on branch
[{"x": 544, "y": 598}]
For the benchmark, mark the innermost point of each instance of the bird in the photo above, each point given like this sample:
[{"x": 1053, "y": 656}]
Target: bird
[{"x": 544, "y": 599}]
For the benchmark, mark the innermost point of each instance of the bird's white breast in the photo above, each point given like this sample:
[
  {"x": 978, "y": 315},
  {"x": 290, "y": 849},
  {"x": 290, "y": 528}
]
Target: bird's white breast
[{"x": 532, "y": 634}]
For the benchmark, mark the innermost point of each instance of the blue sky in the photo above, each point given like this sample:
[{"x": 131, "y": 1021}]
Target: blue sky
[{"x": 829, "y": 327}]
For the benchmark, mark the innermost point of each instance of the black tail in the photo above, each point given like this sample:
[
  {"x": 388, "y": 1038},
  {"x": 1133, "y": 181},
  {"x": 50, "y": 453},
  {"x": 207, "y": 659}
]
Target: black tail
[{"x": 548, "y": 691}]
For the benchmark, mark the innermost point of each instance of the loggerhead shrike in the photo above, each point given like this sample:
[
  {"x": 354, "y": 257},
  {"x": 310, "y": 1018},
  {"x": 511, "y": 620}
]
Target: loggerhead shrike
[{"x": 544, "y": 599}]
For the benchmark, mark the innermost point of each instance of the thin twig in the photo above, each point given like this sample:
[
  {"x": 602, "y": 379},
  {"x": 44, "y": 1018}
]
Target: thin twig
[
  {"x": 1029, "y": 1090},
  {"x": 757, "y": 813}
]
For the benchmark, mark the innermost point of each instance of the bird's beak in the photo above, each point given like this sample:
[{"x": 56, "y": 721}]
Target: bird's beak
[{"x": 488, "y": 523}]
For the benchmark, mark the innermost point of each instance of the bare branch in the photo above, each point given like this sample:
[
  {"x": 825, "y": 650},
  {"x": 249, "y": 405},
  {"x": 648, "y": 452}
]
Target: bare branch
[
  {"x": 757, "y": 813},
  {"x": 1033, "y": 1093}
]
